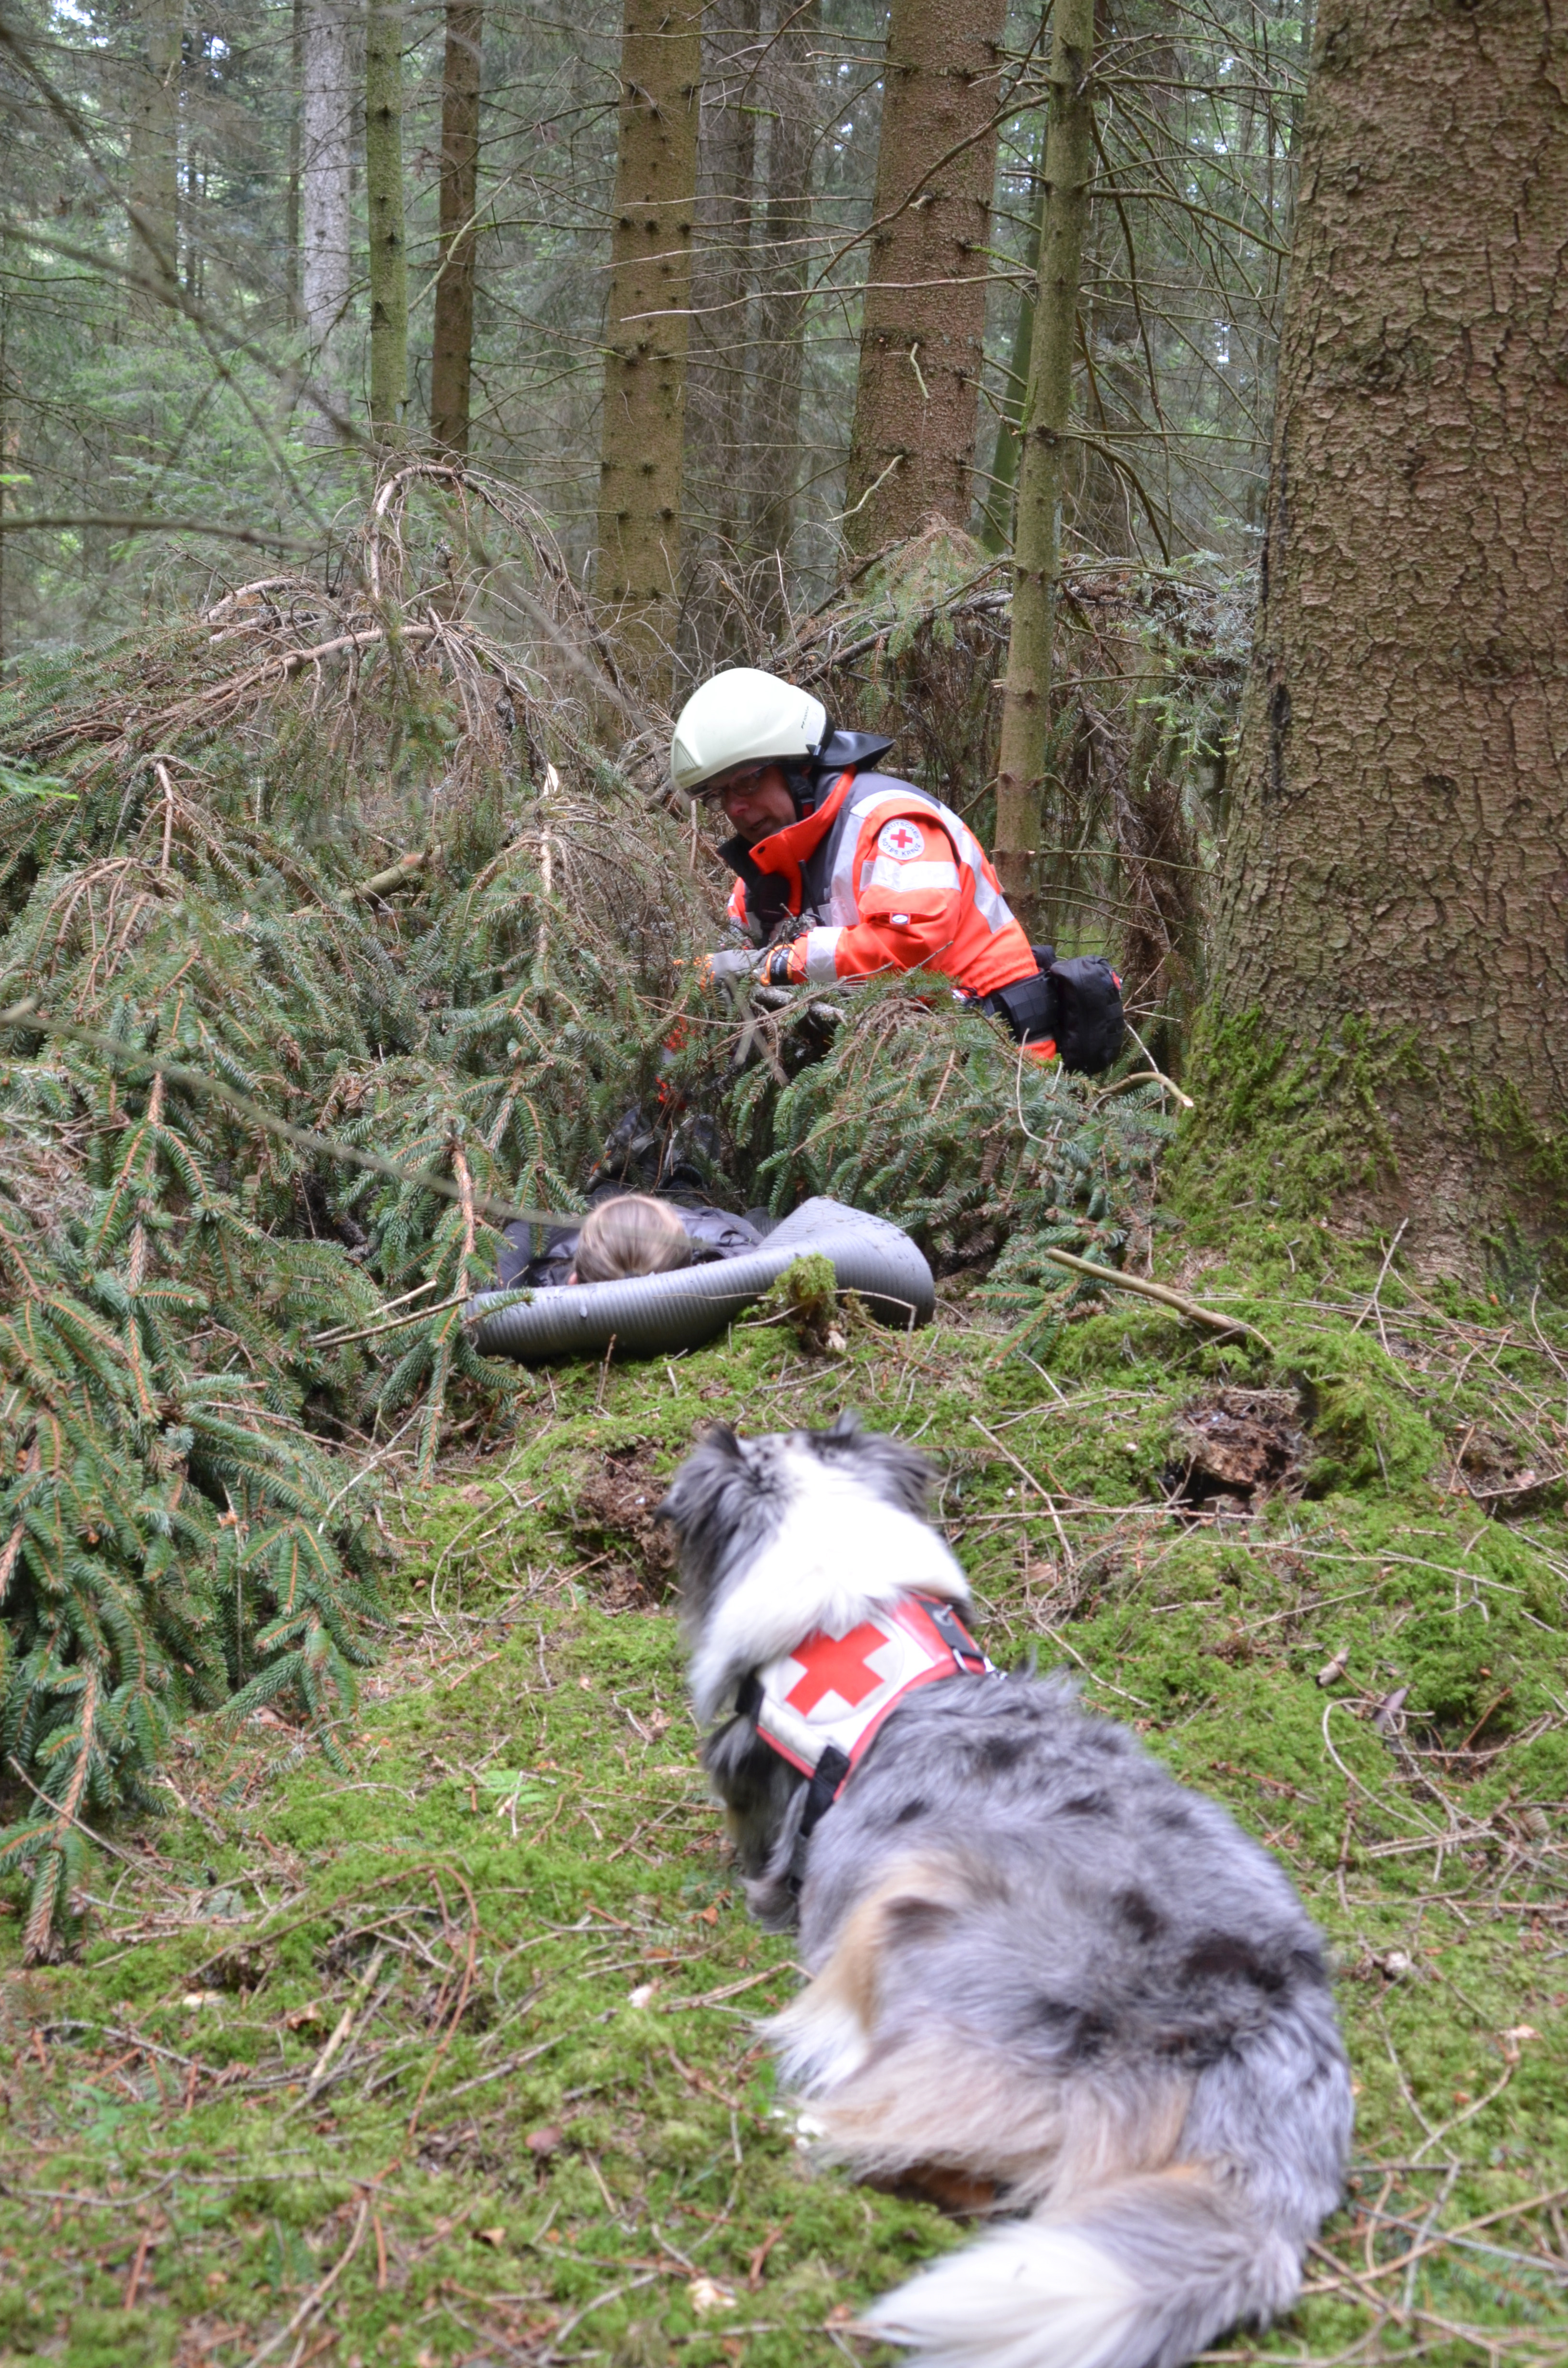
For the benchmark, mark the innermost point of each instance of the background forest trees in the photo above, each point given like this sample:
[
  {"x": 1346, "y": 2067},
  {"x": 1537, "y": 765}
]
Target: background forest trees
[
  {"x": 218, "y": 157},
  {"x": 743, "y": 298}
]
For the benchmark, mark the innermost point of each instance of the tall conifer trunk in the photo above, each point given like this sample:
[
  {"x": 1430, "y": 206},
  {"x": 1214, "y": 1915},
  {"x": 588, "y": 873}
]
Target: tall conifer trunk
[
  {"x": 327, "y": 111},
  {"x": 296, "y": 148},
  {"x": 922, "y": 334},
  {"x": 155, "y": 152},
  {"x": 789, "y": 94},
  {"x": 721, "y": 271},
  {"x": 1393, "y": 930},
  {"x": 1026, "y": 700},
  {"x": 647, "y": 332},
  {"x": 451, "y": 361},
  {"x": 383, "y": 204}
]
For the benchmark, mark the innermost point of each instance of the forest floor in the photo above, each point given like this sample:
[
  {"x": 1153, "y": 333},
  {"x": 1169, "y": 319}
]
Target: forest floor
[{"x": 454, "y": 2057}]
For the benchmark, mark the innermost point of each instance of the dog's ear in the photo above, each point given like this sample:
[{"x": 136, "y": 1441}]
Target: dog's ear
[
  {"x": 894, "y": 1471},
  {"x": 716, "y": 1450}
]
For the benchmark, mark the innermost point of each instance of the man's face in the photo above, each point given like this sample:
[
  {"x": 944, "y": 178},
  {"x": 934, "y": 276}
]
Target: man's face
[{"x": 756, "y": 800}]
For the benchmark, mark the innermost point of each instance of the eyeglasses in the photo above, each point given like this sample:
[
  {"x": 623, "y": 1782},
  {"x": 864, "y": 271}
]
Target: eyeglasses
[{"x": 728, "y": 785}]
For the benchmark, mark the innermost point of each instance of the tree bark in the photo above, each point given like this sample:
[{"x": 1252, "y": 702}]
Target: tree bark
[
  {"x": 716, "y": 464},
  {"x": 997, "y": 531},
  {"x": 647, "y": 332},
  {"x": 451, "y": 361},
  {"x": 154, "y": 153},
  {"x": 296, "y": 149},
  {"x": 1393, "y": 915},
  {"x": 922, "y": 339},
  {"x": 1025, "y": 698},
  {"x": 328, "y": 147},
  {"x": 789, "y": 94},
  {"x": 383, "y": 204}
]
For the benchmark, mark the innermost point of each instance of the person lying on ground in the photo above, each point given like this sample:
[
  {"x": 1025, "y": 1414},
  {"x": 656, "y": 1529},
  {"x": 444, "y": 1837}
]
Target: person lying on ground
[
  {"x": 843, "y": 872},
  {"x": 624, "y": 1233},
  {"x": 633, "y": 1234}
]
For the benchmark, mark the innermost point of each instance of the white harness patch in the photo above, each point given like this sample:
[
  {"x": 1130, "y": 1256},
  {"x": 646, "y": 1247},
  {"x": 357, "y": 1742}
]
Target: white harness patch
[{"x": 836, "y": 1691}]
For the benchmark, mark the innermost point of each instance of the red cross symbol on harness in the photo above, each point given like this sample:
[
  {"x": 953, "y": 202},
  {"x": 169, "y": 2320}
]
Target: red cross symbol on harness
[{"x": 838, "y": 1665}]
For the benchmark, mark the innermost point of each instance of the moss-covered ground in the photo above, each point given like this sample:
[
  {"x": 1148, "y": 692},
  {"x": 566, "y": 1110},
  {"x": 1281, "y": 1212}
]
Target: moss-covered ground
[{"x": 453, "y": 2058}]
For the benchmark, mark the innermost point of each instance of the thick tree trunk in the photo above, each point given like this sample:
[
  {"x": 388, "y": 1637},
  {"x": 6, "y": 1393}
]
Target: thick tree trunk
[
  {"x": 1025, "y": 700},
  {"x": 923, "y": 333},
  {"x": 383, "y": 204},
  {"x": 1393, "y": 924},
  {"x": 327, "y": 115},
  {"x": 451, "y": 361},
  {"x": 154, "y": 153},
  {"x": 296, "y": 150},
  {"x": 791, "y": 97},
  {"x": 648, "y": 325},
  {"x": 716, "y": 464}
]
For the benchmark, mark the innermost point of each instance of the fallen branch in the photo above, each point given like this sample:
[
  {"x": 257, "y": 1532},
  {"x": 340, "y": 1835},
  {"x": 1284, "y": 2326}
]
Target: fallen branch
[
  {"x": 396, "y": 875},
  {"x": 1158, "y": 1290}
]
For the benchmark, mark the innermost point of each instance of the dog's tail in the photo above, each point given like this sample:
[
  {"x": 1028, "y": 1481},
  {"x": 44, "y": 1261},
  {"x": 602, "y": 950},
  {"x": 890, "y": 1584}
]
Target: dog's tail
[{"x": 1142, "y": 2274}]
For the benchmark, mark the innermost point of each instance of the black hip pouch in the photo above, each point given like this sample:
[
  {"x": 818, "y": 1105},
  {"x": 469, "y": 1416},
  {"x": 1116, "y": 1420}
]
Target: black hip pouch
[
  {"x": 1076, "y": 1002},
  {"x": 1090, "y": 1026}
]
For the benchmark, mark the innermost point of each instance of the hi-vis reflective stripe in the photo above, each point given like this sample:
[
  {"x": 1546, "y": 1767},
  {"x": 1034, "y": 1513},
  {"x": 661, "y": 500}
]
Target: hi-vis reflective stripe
[
  {"x": 822, "y": 956},
  {"x": 908, "y": 877},
  {"x": 853, "y": 815},
  {"x": 838, "y": 1689}
]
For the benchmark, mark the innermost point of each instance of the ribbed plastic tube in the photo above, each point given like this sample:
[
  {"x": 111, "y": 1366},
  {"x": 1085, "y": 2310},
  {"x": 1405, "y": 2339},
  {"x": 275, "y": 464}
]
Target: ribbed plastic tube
[{"x": 648, "y": 1313}]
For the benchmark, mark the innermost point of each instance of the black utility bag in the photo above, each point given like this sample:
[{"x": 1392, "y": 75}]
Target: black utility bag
[
  {"x": 1077, "y": 1002},
  {"x": 1089, "y": 1027}
]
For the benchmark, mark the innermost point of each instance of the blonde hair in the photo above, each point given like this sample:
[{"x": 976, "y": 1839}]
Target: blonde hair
[{"x": 633, "y": 1234}]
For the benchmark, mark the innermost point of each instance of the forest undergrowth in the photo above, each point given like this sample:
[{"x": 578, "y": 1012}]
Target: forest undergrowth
[{"x": 329, "y": 939}]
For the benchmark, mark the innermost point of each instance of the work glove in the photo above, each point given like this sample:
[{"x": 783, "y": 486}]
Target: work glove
[{"x": 736, "y": 966}]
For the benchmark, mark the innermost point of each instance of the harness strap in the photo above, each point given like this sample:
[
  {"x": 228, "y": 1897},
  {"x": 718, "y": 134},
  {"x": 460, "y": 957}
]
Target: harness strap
[
  {"x": 827, "y": 1775},
  {"x": 824, "y": 1788},
  {"x": 972, "y": 1661}
]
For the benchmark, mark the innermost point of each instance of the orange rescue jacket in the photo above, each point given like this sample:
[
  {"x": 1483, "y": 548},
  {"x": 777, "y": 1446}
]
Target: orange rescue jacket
[{"x": 889, "y": 879}]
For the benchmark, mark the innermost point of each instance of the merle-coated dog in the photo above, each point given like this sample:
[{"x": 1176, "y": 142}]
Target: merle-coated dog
[{"x": 1039, "y": 1966}]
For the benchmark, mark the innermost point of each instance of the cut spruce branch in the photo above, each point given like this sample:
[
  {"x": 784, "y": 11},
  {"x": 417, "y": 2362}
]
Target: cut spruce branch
[
  {"x": 1211, "y": 1317},
  {"x": 26, "y": 1014},
  {"x": 399, "y": 874}
]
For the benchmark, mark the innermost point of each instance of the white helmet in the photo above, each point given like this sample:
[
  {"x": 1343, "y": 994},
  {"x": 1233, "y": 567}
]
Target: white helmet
[{"x": 742, "y": 716}]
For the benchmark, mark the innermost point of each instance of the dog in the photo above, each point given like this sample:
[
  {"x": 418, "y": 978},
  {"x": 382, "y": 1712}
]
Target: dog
[{"x": 1041, "y": 1969}]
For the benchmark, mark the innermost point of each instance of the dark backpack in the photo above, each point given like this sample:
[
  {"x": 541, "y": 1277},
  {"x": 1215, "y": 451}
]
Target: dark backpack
[
  {"x": 1076, "y": 1002},
  {"x": 1086, "y": 1020}
]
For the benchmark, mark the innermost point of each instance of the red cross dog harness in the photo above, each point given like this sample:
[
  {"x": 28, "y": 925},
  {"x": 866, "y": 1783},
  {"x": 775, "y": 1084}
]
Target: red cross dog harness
[{"x": 821, "y": 1705}]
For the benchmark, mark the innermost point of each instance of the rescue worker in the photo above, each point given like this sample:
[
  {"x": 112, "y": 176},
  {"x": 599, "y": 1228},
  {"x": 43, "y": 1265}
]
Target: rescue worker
[{"x": 843, "y": 871}]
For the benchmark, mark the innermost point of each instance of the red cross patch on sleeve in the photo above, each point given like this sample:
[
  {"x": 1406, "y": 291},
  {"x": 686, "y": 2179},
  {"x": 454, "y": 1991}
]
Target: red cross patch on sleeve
[{"x": 901, "y": 839}]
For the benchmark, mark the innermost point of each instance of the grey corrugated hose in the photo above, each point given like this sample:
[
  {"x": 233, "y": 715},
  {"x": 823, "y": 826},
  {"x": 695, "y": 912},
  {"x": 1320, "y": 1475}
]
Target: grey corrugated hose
[{"x": 648, "y": 1313}]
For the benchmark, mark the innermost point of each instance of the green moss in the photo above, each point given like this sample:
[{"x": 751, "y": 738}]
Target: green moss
[
  {"x": 572, "y": 2145},
  {"x": 1281, "y": 1133}
]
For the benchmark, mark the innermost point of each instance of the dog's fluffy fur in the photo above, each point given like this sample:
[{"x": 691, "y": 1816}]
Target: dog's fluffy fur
[{"x": 1036, "y": 1960}]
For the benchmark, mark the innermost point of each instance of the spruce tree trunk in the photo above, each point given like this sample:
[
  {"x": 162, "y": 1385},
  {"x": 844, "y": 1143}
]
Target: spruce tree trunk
[
  {"x": 716, "y": 464},
  {"x": 1026, "y": 700},
  {"x": 1393, "y": 920},
  {"x": 155, "y": 153},
  {"x": 383, "y": 204},
  {"x": 451, "y": 359},
  {"x": 647, "y": 331},
  {"x": 922, "y": 331},
  {"x": 997, "y": 531},
  {"x": 789, "y": 94},
  {"x": 296, "y": 150},
  {"x": 327, "y": 114}
]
